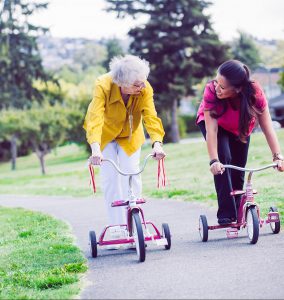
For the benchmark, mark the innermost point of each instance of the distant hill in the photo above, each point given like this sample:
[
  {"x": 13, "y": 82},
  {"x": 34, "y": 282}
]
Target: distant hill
[{"x": 56, "y": 52}]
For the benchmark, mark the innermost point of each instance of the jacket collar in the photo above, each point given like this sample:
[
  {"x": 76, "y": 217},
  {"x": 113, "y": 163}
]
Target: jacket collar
[{"x": 115, "y": 96}]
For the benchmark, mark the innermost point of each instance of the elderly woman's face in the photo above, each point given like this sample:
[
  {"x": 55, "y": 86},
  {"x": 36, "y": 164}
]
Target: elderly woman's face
[
  {"x": 223, "y": 88},
  {"x": 134, "y": 89}
]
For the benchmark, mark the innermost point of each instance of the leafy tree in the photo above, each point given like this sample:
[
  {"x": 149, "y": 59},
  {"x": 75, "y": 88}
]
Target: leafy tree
[
  {"x": 113, "y": 49},
  {"x": 90, "y": 55},
  {"x": 20, "y": 62},
  {"x": 11, "y": 131},
  {"x": 281, "y": 80},
  {"x": 245, "y": 50},
  {"x": 42, "y": 127},
  {"x": 180, "y": 45}
]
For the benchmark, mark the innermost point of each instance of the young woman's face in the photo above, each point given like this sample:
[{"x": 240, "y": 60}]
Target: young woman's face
[
  {"x": 134, "y": 89},
  {"x": 223, "y": 88}
]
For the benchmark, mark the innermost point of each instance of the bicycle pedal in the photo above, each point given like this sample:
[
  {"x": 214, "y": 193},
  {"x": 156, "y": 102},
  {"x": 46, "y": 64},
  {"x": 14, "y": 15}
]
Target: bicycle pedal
[{"x": 232, "y": 233}]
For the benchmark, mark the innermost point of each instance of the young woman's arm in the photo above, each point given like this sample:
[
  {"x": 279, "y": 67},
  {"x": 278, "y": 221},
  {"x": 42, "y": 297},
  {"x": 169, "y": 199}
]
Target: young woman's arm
[
  {"x": 212, "y": 143},
  {"x": 211, "y": 135},
  {"x": 271, "y": 137}
]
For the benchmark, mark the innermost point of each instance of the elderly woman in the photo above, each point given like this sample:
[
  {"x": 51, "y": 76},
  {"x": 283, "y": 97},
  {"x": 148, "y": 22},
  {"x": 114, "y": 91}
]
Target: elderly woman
[{"x": 122, "y": 99}]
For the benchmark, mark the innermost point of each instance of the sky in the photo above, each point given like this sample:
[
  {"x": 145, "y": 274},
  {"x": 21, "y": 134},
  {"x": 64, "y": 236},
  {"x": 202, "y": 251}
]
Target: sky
[{"x": 263, "y": 19}]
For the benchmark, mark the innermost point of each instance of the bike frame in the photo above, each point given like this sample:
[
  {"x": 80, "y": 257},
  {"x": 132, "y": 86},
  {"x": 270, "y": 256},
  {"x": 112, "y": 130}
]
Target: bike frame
[
  {"x": 132, "y": 204},
  {"x": 247, "y": 200}
]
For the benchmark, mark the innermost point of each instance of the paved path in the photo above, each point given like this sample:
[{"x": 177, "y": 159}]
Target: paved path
[{"x": 219, "y": 269}]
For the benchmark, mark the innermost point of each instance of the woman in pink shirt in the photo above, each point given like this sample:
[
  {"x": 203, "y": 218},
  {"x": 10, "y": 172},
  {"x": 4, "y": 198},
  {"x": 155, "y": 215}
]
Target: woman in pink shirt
[{"x": 227, "y": 115}]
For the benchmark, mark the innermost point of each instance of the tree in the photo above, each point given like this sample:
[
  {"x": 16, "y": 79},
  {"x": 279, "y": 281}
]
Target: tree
[
  {"x": 20, "y": 62},
  {"x": 90, "y": 55},
  {"x": 245, "y": 50},
  {"x": 113, "y": 49},
  {"x": 42, "y": 127},
  {"x": 281, "y": 80},
  {"x": 180, "y": 45}
]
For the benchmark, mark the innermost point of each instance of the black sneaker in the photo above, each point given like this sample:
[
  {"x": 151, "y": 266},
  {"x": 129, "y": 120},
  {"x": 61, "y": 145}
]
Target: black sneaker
[{"x": 223, "y": 221}]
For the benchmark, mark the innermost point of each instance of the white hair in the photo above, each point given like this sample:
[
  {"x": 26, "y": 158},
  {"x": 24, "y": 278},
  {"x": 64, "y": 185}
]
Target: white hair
[{"x": 125, "y": 70}]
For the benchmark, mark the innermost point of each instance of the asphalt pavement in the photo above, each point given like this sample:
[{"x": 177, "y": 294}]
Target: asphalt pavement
[{"x": 221, "y": 268}]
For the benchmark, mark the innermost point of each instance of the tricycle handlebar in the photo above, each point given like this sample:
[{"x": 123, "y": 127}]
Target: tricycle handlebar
[
  {"x": 129, "y": 174},
  {"x": 250, "y": 170}
]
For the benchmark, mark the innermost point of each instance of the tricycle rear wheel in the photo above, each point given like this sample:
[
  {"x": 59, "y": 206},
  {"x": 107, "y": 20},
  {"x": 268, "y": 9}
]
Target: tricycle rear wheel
[
  {"x": 275, "y": 226},
  {"x": 203, "y": 228},
  {"x": 93, "y": 244}
]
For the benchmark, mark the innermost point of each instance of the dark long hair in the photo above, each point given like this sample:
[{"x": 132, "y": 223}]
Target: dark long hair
[{"x": 238, "y": 75}]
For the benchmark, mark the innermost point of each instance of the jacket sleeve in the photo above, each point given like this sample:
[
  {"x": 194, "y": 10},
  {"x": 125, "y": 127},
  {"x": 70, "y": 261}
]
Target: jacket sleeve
[
  {"x": 94, "y": 119},
  {"x": 152, "y": 123}
]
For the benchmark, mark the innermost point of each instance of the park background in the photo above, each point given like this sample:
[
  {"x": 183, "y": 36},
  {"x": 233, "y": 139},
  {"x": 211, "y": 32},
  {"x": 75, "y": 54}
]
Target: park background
[{"x": 51, "y": 54}]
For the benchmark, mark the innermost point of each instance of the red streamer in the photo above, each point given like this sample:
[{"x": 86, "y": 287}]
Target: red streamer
[
  {"x": 92, "y": 180},
  {"x": 162, "y": 179}
]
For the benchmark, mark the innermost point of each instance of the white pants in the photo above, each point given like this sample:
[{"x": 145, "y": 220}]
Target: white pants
[{"x": 116, "y": 186}]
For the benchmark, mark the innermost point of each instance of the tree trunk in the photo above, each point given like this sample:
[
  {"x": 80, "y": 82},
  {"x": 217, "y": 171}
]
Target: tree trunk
[
  {"x": 13, "y": 152},
  {"x": 40, "y": 154},
  {"x": 174, "y": 124},
  {"x": 42, "y": 164}
]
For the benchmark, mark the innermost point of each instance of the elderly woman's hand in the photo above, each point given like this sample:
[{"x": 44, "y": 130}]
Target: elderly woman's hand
[
  {"x": 96, "y": 157},
  {"x": 217, "y": 168},
  {"x": 158, "y": 152}
]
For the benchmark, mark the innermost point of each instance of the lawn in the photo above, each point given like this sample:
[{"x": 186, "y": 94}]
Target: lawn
[
  {"x": 186, "y": 168},
  {"x": 39, "y": 259}
]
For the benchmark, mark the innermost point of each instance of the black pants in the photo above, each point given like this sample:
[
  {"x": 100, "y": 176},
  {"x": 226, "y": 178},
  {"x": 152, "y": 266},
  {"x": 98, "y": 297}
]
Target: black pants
[{"x": 230, "y": 151}]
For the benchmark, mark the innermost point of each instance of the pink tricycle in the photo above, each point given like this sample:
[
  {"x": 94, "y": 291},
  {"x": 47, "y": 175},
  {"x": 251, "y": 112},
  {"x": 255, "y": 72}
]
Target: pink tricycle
[
  {"x": 137, "y": 230},
  {"x": 248, "y": 213}
]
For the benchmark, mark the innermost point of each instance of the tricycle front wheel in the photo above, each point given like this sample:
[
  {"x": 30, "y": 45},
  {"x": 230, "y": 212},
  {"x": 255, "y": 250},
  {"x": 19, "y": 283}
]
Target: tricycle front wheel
[
  {"x": 138, "y": 236},
  {"x": 252, "y": 224}
]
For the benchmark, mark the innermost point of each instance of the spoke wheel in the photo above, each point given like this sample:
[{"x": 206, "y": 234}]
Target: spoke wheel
[
  {"x": 138, "y": 236},
  {"x": 252, "y": 224}
]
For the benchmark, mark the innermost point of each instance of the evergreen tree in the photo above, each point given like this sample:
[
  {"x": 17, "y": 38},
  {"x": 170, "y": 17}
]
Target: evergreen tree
[
  {"x": 180, "y": 45},
  {"x": 20, "y": 62},
  {"x": 245, "y": 50}
]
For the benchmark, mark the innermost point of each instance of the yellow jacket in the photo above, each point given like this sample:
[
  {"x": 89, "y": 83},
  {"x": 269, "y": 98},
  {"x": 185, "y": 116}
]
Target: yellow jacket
[{"x": 107, "y": 117}]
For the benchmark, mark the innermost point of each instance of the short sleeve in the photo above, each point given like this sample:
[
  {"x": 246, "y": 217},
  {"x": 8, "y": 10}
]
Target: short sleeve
[
  {"x": 261, "y": 101},
  {"x": 209, "y": 96}
]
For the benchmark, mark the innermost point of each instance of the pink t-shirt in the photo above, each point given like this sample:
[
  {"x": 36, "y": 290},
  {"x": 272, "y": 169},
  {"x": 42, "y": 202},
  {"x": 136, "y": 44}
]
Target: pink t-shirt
[{"x": 230, "y": 119}]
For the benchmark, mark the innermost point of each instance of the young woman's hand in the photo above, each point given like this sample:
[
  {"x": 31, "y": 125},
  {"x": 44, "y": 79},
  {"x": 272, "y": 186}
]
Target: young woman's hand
[
  {"x": 217, "y": 168},
  {"x": 279, "y": 160},
  {"x": 96, "y": 157},
  {"x": 280, "y": 165},
  {"x": 158, "y": 152}
]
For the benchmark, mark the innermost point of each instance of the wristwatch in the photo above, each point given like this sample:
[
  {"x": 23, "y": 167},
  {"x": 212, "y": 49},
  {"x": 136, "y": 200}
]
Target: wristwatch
[{"x": 278, "y": 156}]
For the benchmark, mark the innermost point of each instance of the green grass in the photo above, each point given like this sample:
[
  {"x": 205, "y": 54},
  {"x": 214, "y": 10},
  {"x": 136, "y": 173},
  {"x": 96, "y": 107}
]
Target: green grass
[
  {"x": 186, "y": 167},
  {"x": 38, "y": 257}
]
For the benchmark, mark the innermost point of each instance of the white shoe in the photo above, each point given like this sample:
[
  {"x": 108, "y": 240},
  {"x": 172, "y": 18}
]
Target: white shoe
[
  {"x": 113, "y": 247},
  {"x": 117, "y": 232}
]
